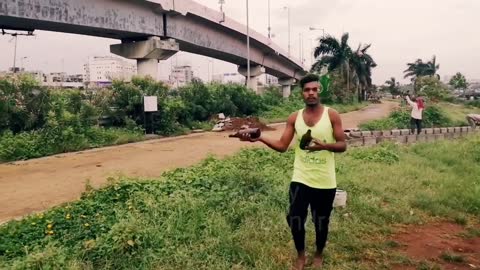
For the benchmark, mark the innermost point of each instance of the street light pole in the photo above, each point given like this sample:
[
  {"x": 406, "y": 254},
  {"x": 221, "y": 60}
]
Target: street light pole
[
  {"x": 288, "y": 10},
  {"x": 269, "y": 28},
  {"x": 222, "y": 2},
  {"x": 15, "y": 55},
  {"x": 248, "y": 48}
]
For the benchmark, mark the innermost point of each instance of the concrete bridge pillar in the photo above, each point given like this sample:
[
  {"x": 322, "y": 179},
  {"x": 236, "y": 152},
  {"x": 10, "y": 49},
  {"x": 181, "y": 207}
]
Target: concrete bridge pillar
[
  {"x": 255, "y": 71},
  {"x": 286, "y": 84},
  {"x": 147, "y": 53}
]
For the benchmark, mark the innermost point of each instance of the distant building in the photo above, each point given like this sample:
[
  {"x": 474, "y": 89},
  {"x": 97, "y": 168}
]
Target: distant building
[
  {"x": 54, "y": 79},
  {"x": 229, "y": 78},
  {"x": 181, "y": 75},
  {"x": 63, "y": 80},
  {"x": 100, "y": 71},
  {"x": 271, "y": 80}
]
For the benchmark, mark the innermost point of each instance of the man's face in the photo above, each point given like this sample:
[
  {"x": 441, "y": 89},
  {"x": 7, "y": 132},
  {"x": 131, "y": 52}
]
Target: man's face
[{"x": 310, "y": 93}]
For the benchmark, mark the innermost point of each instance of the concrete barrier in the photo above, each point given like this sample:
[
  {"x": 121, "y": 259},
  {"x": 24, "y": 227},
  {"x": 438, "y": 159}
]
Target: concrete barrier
[
  {"x": 430, "y": 137},
  {"x": 369, "y": 138},
  {"x": 368, "y": 141},
  {"x": 421, "y": 138},
  {"x": 366, "y": 133},
  {"x": 355, "y": 142},
  {"x": 411, "y": 139},
  {"x": 405, "y": 132},
  {"x": 355, "y": 134},
  {"x": 401, "y": 139},
  {"x": 385, "y": 139},
  {"x": 448, "y": 136},
  {"x": 428, "y": 131},
  {"x": 439, "y": 137}
]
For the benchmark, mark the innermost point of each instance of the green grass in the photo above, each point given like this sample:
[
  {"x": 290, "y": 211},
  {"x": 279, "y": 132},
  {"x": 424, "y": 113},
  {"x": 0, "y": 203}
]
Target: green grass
[
  {"x": 457, "y": 112},
  {"x": 230, "y": 214},
  {"x": 435, "y": 115},
  {"x": 452, "y": 258},
  {"x": 46, "y": 142}
]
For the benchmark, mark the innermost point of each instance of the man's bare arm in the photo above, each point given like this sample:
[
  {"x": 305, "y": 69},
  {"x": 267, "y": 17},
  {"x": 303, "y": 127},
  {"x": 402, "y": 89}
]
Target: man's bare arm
[
  {"x": 282, "y": 144},
  {"x": 340, "y": 145}
]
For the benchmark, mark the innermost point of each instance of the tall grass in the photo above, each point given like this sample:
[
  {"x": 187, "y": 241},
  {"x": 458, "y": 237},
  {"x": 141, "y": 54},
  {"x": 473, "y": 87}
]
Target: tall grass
[
  {"x": 439, "y": 115},
  {"x": 230, "y": 214}
]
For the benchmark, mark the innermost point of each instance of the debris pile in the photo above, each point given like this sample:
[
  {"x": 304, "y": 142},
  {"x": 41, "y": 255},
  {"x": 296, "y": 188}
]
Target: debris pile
[{"x": 235, "y": 123}]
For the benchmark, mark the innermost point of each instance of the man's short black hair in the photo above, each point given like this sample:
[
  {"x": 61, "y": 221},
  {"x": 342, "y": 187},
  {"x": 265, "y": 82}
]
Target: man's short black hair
[{"x": 309, "y": 78}]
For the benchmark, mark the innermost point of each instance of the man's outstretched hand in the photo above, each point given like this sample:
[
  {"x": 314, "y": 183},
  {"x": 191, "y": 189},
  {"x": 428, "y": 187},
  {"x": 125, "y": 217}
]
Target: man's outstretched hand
[
  {"x": 316, "y": 145},
  {"x": 247, "y": 138}
]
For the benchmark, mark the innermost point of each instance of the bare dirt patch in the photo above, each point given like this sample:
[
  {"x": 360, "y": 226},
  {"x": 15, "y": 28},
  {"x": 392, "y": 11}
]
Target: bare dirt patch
[
  {"x": 251, "y": 122},
  {"x": 440, "y": 246}
]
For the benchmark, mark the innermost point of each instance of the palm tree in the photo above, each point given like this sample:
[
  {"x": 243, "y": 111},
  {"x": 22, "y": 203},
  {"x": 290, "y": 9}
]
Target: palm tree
[
  {"x": 362, "y": 63},
  {"x": 419, "y": 69},
  {"x": 334, "y": 54},
  {"x": 432, "y": 67},
  {"x": 355, "y": 65},
  {"x": 415, "y": 69},
  {"x": 393, "y": 86}
]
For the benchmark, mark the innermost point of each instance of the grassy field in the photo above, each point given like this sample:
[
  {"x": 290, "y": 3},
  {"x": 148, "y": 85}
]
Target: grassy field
[
  {"x": 435, "y": 115},
  {"x": 230, "y": 214},
  {"x": 457, "y": 112}
]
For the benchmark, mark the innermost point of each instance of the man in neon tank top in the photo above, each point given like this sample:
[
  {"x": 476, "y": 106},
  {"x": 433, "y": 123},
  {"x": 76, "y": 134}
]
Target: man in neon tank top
[{"x": 313, "y": 181}]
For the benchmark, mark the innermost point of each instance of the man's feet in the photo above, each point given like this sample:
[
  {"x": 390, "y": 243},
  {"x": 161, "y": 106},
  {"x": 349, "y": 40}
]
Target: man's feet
[
  {"x": 317, "y": 261},
  {"x": 299, "y": 263}
]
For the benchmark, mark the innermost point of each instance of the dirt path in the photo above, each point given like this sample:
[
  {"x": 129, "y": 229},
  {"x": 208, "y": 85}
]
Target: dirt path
[
  {"x": 34, "y": 185},
  {"x": 440, "y": 245}
]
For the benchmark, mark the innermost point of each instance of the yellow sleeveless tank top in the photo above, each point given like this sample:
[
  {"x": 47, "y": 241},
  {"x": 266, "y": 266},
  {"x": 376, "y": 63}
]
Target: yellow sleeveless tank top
[{"x": 315, "y": 169}]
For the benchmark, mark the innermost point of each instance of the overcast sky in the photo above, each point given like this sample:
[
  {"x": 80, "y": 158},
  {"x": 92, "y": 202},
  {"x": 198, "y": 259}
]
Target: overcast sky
[{"x": 400, "y": 31}]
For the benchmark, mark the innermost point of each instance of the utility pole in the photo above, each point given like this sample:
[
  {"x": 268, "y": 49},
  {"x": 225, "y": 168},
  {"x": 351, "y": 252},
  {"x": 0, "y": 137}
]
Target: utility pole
[
  {"x": 15, "y": 36},
  {"x": 288, "y": 10},
  {"x": 15, "y": 54},
  {"x": 222, "y": 2},
  {"x": 269, "y": 28},
  {"x": 248, "y": 48}
]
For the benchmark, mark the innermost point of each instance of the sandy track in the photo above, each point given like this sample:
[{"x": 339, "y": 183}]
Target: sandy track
[{"x": 35, "y": 185}]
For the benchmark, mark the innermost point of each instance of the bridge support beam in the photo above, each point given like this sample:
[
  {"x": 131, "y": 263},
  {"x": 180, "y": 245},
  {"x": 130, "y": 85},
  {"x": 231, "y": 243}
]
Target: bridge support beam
[
  {"x": 147, "y": 53},
  {"x": 255, "y": 71},
  {"x": 286, "y": 84}
]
